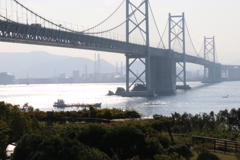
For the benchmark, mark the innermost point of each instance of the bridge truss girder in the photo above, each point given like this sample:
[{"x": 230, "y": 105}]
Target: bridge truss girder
[
  {"x": 28, "y": 34},
  {"x": 23, "y": 33}
]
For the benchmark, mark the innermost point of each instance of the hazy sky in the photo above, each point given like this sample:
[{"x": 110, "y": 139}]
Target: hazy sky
[{"x": 219, "y": 18}]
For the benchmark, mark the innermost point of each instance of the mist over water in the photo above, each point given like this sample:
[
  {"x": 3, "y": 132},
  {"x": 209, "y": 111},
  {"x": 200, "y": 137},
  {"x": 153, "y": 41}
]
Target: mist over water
[{"x": 201, "y": 98}]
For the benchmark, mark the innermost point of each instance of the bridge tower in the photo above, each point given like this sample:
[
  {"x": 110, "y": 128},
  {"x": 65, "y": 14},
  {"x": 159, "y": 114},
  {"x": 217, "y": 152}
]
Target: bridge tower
[
  {"x": 209, "y": 50},
  {"x": 211, "y": 73},
  {"x": 177, "y": 33},
  {"x": 132, "y": 24}
]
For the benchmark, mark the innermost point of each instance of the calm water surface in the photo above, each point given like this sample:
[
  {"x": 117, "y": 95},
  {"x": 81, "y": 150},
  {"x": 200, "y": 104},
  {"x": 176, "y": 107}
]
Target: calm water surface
[{"x": 201, "y": 98}]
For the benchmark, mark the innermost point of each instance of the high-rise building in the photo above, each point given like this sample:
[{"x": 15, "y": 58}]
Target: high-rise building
[
  {"x": 75, "y": 73},
  {"x": 62, "y": 75},
  {"x": 6, "y": 78}
]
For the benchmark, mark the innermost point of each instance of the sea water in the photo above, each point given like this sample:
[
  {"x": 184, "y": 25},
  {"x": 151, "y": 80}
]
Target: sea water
[{"x": 201, "y": 98}]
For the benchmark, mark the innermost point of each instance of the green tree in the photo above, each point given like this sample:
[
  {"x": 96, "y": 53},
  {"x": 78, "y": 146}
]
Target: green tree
[
  {"x": 14, "y": 124},
  {"x": 152, "y": 147},
  {"x": 92, "y": 112},
  {"x": 123, "y": 141},
  {"x": 167, "y": 122},
  {"x": 3, "y": 138},
  {"x": 19, "y": 124},
  {"x": 222, "y": 119},
  {"x": 39, "y": 147},
  {"x": 92, "y": 135}
]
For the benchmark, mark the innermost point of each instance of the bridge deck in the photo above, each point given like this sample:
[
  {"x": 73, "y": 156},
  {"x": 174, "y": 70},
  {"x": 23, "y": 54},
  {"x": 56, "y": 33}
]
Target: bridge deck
[{"x": 32, "y": 34}]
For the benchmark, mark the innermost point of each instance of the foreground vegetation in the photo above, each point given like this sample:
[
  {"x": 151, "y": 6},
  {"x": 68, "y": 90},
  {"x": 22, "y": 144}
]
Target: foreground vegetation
[{"x": 63, "y": 135}]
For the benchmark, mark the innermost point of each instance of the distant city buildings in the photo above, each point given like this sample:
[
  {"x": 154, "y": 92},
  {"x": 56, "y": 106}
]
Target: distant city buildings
[
  {"x": 6, "y": 78},
  {"x": 76, "y": 77},
  {"x": 99, "y": 76},
  {"x": 76, "y": 73},
  {"x": 62, "y": 75}
]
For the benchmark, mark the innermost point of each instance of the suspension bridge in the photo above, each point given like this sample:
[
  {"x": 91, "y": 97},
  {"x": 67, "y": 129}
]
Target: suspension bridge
[{"x": 160, "y": 74}]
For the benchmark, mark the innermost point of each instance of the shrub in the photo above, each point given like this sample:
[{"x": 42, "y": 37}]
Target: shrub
[
  {"x": 173, "y": 156},
  {"x": 182, "y": 150},
  {"x": 207, "y": 156},
  {"x": 237, "y": 155},
  {"x": 200, "y": 149}
]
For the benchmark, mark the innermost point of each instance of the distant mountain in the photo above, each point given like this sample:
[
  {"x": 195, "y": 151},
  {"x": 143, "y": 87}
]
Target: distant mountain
[
  {"x": 45, "y": 65},
  {"x": 40, "y": 64}
]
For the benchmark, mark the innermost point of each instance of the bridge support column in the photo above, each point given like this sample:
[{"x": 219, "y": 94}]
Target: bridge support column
[
  {"x": 163, "y": 75},
  {"x": 141, "y": 26},
  {"x": 214, "y": 74},
  {"x": 177, "y": 32},
  {"x": 233, "y": 74}
]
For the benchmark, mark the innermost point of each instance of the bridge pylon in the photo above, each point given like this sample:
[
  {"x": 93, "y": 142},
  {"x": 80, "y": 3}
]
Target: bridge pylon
[
  {"x": 212, "y": 73},
  {"x": 132, "y": 24},
  {"x": 177, "y": 33},
  {"x": 209, "y": 50}
]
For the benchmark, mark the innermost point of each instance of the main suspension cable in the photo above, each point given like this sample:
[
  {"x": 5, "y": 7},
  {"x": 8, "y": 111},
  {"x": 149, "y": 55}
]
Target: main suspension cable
[
  {"x": 163, "y": 36},
  {"x": 156, "y": 25},
  {"x": 117, "y": 25},
  {"x": 57, "y": 25},
  {"x": 192, "y": 41},
  {"x": 9, "y": 20},
  {"x": 104, "y": 19},
  {"x": 201, "y": 48}
]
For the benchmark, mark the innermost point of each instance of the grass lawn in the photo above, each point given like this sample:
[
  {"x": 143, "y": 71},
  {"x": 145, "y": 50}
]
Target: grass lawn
[{"x": 220, "y": 155}]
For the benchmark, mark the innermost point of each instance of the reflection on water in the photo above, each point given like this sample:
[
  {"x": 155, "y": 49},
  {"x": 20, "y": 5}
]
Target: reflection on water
[{"x": 201, "y": 98}]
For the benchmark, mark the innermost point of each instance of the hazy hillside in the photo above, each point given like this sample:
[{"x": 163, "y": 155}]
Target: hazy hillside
[
  {"x": 42, "y": 64},
  {"x": 45, "y": 65}
]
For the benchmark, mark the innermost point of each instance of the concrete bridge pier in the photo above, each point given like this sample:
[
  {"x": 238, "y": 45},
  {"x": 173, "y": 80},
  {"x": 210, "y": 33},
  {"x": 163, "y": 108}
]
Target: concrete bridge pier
[
  {"x": 163, "y": 75},
  {"x": 231, "y": 72},
  {"x": 214, "y": 74}
]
